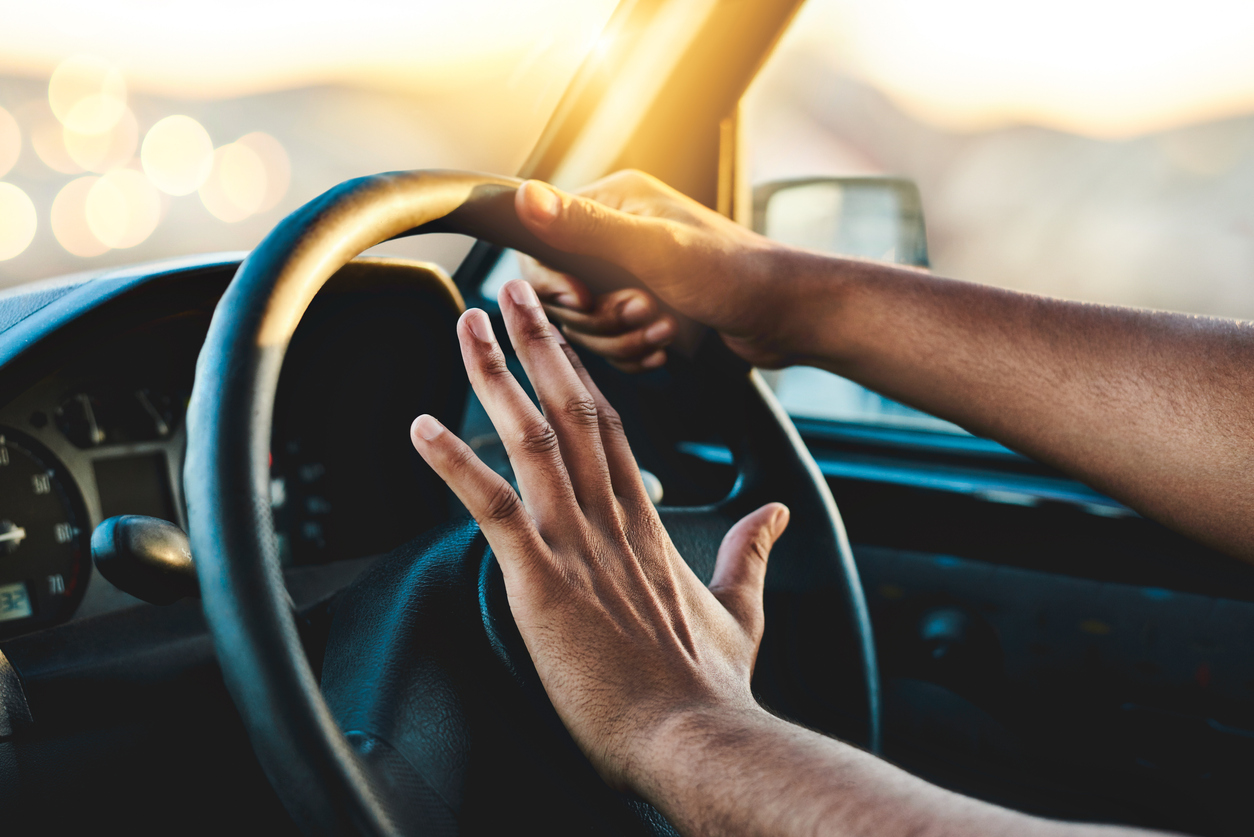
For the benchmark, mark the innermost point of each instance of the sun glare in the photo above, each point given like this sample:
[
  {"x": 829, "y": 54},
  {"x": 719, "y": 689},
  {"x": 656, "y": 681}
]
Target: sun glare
[
  {"x": 1106, "y": 68},
  {"x": 178, "y": 48}
]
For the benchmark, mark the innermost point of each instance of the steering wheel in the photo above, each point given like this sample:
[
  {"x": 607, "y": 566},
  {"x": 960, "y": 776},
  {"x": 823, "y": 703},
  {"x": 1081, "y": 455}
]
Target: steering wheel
[{"x": 429, "y": 716}]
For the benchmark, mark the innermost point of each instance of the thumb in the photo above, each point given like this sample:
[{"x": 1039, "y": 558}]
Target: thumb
[
  {"x": 577, "y": 224},
  {"x": 740, "y": 569}
]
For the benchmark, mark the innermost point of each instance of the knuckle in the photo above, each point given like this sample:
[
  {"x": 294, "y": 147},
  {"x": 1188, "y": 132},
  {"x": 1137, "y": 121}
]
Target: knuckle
[
  {"x": 462, "y": 458},
  {"x": 494, "y": 365},
  {"x": 634, "y": 177},
  {"x": 611, "y": 421},
  {"x": 581, "y": 410},
  {"x": 594, "y": 214},
  {"x": 537, "y": 439},
  {"x": 536, "y": 329},
  {"x": 502, "y": 504},
  {"x": 760, "y": 548}
]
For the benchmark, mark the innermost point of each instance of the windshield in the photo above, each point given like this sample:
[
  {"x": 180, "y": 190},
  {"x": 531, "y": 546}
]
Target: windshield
[
  {"x": 134, "y": 130},
  {"x": 1098, "y": 150}
]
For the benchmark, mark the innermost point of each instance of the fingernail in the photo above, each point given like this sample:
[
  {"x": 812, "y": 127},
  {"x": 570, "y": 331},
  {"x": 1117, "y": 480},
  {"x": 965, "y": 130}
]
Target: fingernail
[
  {"x": 780, "y": 520},
  {"x": 427, "y": 427},
  {"x": 522, "y": 293},
  {"x": 634, "y": 311},
  {"x": 567, "y": 301},
  {"x": 557, "y": 335},
  {"x": 659, "y": 331},
  {"x": 541, "y": 200},
  {"x": 480, "y": 325}
]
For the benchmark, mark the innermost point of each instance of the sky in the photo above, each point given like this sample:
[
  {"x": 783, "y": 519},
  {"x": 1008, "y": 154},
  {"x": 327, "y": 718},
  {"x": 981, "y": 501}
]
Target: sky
[
  {"x": 233, "y": 48},
  {"x": 1107, "y": 68},
  {"x": 1101, "y": 68}
]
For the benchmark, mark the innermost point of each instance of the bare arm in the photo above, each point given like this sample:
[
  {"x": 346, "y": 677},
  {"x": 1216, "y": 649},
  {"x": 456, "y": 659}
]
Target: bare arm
[
  {"x": 1154, "y": 408},
  {"x": 763, "y": 776},
  {"x": 649, "y": 669}
]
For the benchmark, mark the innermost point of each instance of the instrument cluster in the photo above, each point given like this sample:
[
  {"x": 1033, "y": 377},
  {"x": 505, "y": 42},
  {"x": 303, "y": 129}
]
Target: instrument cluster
[{"x": 105, "y": 434}]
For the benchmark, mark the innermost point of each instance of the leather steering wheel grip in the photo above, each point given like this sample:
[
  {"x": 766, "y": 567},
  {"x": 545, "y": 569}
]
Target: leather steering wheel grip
[{"x": 329, "y": 783}]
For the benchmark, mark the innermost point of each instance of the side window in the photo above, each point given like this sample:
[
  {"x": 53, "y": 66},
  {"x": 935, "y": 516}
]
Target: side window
[
  {"x": 1051, "y": 153},
  {"x": 877, "y": 218}
]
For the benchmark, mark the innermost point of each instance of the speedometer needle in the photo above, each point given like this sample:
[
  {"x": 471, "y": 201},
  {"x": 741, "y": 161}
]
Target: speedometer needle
[{"x": 17, "y": 533}]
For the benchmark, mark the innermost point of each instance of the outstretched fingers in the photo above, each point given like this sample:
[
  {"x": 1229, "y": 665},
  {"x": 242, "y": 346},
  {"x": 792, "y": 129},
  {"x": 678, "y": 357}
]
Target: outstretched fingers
[
  {"x": 529, "y": 439},
  {"x": 624, "y": 472},
  {"x": 489, "y": 498},
  {"x": 568, "y": 405}
]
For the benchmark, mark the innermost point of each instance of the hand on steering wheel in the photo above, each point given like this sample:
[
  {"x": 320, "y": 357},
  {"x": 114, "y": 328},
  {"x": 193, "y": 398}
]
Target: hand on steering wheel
[
  {"x": 423, "y": 717},
  {"x": 625, "y": 638},
  {"x": 696, "y": 265}
]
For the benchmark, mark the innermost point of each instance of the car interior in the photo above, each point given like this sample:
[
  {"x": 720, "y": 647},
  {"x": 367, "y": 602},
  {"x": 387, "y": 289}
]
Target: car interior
[{"x": 328, "y": 648}]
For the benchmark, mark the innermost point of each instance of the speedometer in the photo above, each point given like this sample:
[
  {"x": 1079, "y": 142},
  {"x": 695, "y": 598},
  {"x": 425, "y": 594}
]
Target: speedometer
[{"x": 44, "y": 537}]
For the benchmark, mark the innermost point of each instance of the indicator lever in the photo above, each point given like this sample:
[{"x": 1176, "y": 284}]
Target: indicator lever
[{"x": 146, "y": 557}]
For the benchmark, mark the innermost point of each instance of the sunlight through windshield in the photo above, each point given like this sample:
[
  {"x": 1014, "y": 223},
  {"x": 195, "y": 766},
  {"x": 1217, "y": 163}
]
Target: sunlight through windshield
[{"x": 132, "y": 131}]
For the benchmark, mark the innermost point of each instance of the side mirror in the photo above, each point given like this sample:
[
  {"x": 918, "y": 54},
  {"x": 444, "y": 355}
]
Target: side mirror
[{"x": 874, "y": 217}]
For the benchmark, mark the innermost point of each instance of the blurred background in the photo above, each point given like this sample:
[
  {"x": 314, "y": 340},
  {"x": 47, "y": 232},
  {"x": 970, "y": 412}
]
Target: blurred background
[
  {"x": 1095, "y": 149},
  {"x": 1100, "y": 150},
  {"x": 133, "y": 130}
]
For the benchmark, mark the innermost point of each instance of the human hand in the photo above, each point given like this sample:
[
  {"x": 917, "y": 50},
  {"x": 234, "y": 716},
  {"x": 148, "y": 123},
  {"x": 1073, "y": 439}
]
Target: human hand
[
  {"x": 624, "y": 636},
  {"x": 697, "y": 265}
]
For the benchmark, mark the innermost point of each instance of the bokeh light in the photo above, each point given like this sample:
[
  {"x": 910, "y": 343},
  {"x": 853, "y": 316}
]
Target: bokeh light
[
  {"x": 106, "y": 150},
  {"x": 87, "y": 95},
  {"x": 69, "y": 219},
  {"x": 10, "y": 141},
  {"x": 17, "y": 221},
  {"x": 47, "y": 137},
  {"x": 177, "y": 155},
  {"x": 122, "y": 208},
  {"x": 278, "y": 168},
  {"x": 237, "y": 185}
]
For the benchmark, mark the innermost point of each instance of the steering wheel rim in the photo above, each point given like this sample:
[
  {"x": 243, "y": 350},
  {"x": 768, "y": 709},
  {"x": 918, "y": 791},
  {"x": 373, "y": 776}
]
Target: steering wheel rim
[{"x": 313, "y": 767}]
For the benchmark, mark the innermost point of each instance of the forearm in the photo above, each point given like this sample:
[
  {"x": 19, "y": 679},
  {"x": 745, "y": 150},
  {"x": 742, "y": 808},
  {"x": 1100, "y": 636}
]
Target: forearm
[
  {"x": 1157, "y": 409},
  {"x": 753, "y": 773}
]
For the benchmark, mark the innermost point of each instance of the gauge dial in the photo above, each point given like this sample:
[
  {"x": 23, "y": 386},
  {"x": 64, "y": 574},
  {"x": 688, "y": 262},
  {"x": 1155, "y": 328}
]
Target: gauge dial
[
  {"x": 44, "y": 537},
  {"x": 119, "y": 415}
]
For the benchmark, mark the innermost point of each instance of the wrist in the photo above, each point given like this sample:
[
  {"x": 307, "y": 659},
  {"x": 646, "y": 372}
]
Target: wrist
[
  {"x": 799, "y": 298},
  {"x": 679, "y": 748}
]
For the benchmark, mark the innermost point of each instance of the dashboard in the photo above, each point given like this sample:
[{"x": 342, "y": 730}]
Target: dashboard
[
  {"x": 94, "y": 425},
  {"x": 1074, "y": 664}
]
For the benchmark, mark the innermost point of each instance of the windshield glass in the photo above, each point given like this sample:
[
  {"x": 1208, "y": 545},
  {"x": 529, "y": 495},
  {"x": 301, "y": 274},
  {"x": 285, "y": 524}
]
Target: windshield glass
[
  {"x": 1099, "y": 150},
  {"x": 133, "y": 130}
]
